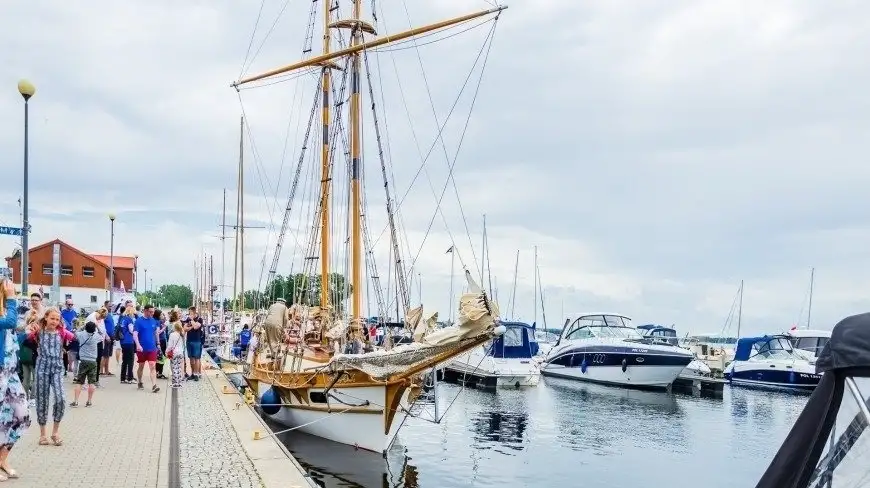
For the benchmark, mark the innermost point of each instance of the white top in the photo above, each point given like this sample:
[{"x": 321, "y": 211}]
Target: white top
[{"x": 175, "y": 344}]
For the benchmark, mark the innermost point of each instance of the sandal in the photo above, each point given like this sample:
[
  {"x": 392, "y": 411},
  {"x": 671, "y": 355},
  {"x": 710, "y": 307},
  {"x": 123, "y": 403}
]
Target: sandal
[
  {"x": 9, "y": 473},
  {"x": 57, "y": 440},
  {"x": 43, "y": 441}
]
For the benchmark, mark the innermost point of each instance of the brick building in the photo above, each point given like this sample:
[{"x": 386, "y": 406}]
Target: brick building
[{"x": 83, "y": 277}]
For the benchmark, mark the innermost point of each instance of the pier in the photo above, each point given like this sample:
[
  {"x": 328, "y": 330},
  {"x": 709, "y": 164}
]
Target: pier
[
  {"x": 193, "y": 437},
  {"x": 699, "y": 385}
]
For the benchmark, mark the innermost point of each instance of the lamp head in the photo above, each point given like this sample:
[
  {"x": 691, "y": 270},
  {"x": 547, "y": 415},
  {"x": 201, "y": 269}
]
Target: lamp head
[
  {"x": 26, "y": 89},
  {"x": 112, "y": 217}
]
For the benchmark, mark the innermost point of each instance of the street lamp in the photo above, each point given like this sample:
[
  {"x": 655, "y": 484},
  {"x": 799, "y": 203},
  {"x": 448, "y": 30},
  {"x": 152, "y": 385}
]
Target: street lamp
[
  {"x": 27, "y": 90},
  {"x": 112, "y": 260},
  {"x": 145, "y": 279},
  {"x": 136, "y": 272}
]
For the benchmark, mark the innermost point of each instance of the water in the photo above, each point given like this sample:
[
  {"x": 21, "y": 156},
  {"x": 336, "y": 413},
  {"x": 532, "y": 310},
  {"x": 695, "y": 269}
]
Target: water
[{"x": 567, "y": 433}]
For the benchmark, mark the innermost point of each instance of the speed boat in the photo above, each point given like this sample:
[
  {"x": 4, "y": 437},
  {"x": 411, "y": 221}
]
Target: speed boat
[
  {"x": 827, "y": 446},
  {"x": 668, "y": 335},
  {"x": 770, "y": 362},
  {"x": 606, "y": 348},
  {"x": 507, "y": 361}
]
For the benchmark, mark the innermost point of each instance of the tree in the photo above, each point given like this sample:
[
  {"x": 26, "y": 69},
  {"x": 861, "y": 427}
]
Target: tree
[
  {"x": 300, "y": 288},
  {"x": 172, "y": 295},
  {"x": 146, "y": 298}
]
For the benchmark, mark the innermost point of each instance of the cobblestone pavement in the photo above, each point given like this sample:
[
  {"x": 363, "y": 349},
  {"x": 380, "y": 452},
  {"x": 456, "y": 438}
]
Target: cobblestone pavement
[
  {"x": 210, "y": 452},
  {"x": 121, "y": 441}
]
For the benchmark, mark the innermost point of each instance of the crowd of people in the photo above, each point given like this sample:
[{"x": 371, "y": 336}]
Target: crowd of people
[{"x": 49, "y": 344}]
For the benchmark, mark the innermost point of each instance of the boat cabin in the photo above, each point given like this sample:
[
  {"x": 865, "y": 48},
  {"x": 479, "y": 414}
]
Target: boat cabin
[
  {"x": 518, "y": 341},
  {"x": 605, "y": 326},
  {"x": 812, "y": 341},
  {"x": 763, "y": 348},
  {"x": 659, "y": 333}
]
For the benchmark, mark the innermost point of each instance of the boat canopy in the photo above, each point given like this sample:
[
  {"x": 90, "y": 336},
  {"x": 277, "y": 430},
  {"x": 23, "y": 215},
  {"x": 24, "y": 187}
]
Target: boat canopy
[
  {"x": 748, "y": 347},
  {"x": 829, "y": 444},
  {"x": 518, "y": 341}
]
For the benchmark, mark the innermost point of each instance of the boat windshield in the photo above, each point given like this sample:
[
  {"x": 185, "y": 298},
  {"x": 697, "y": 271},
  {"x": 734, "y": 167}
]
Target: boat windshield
[
  {"x": 615, "y": 332},
  {"x": 777, "y": 348},
  {"x": 844, "y": 460},
  {"x": 811, "y": 344},
  {"x": 606, "y": 326}
]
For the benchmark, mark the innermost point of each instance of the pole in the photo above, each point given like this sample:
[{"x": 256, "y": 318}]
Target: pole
[
  {"x": 535, "y": 290},
  {"x": 420, "y": 287},
  {"x": 25, "y": 275},
  {"x": 112, "y": 260},
  {"x": 740, "y": 310},
  {"x": 223, "y": 261},
  {"x": 324, "y": 166},
  {"x": 356, "y": 170},
  {"x": 452, "y": 264},
  {"x": 145, "y": 279},
  {"x": 514, "y": 290},
  {"x": 810, "y": 310}
]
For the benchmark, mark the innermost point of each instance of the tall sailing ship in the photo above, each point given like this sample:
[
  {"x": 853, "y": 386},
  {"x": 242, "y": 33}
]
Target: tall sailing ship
[{"x": 313, "y": 366}]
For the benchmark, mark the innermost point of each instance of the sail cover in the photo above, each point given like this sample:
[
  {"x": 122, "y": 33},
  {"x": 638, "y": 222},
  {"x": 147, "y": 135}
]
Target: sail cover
[
  {"x": 476, "y": 318},
  {"x": 829, "y": 444}
]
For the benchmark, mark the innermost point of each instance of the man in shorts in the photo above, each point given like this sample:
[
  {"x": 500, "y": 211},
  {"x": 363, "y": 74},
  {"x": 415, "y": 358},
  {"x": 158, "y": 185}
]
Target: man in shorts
[
  {"x": 88, "y": 339},
  {"x": 194, "y": 338},
  {"x": 145, "y": 337}
]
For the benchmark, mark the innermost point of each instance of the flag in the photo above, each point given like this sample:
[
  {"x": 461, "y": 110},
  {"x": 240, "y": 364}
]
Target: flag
[
  {"x": 449, "y": 250},
  {"x": 123, "y": 290},
  {"x": 41, "y": 291}
]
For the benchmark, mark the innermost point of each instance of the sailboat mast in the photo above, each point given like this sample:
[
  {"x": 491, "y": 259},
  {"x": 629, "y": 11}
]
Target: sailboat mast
[
  {"x": 740, "y": 310},
  {"x": 238, "y": 227},
  {"x": 355, "y": 146},
  {"x": 223, "y": 261},
  {"x": 810, "y": 309},
  {"x": 241, "y": 213},
  {"x": 324, "y": 162}
]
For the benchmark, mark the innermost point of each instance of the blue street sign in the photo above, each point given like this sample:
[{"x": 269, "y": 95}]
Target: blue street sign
[{"x": 10, "y": 231}]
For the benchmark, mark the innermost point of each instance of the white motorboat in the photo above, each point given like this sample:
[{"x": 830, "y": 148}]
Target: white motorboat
[
  {"x": 770, "y": 362},
  {"x": 606, "y": 348},
  {"x": 668, "y": 335},
  {"x": 507, "y": 361}
]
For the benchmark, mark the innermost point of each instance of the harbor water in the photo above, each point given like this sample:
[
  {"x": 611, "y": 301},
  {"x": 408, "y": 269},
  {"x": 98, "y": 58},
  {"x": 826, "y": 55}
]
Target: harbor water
[{"x": 567, "y": 433}]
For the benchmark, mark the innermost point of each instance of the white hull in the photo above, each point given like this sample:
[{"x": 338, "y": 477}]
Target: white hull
[
  {"x": 637, "y": 376},
  {"x": 698, "y": 367},
  {"x": 364, "y": 430},
  {"x": 500, "y": 372}
]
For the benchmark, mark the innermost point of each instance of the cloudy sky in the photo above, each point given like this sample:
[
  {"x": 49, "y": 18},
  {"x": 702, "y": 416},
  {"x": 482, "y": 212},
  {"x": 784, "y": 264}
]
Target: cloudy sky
[{"x": 655, "y": 152}]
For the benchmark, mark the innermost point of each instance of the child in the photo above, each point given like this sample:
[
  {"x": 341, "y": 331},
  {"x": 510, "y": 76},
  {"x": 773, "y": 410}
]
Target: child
[
  {"x": 27, "y": 359},
  {"x": 89, "y": 342},
  {"x": 50, "y": 337},
  {"x": 175, "y": 349}
]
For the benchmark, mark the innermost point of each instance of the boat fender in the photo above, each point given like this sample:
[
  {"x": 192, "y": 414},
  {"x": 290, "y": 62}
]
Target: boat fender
[
  {"x": 270, "y": 402},
  {"x": 791, "y": 378},
  {"x": 583, "y": 365},
  {"x": 500, "y": 330},
  {"x": 624, "y": 365}
]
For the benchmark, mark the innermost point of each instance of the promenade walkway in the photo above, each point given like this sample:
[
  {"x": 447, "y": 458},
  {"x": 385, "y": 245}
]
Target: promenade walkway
[{"x": 139, "y": 439}]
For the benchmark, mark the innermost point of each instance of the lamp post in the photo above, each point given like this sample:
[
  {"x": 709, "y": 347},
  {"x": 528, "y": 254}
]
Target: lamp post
[
  {"x": 27, "y": 90},
  {"x": 145, "y": 279},
  {"x": 136, "y": 273},
  {"x": 112, "y": 259}
]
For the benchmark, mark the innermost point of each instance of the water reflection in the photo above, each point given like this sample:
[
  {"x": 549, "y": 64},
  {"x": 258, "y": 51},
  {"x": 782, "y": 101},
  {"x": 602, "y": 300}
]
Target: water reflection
[
  {"x": 334, "y": 465},
  {"x": 503, "y": 428},
  {"x": 602, "y": 419}
]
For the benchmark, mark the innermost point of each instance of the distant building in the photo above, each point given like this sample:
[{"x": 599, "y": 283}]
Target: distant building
[{"x": 83, "y": 277}]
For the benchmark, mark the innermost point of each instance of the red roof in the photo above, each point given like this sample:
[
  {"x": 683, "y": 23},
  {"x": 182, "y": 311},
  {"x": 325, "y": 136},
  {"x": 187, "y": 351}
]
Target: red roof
[{"x": 120, "y": 262}]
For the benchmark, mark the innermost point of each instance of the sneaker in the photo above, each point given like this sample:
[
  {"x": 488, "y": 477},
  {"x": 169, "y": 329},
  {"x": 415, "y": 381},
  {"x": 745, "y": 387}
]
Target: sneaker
[
  {"x": 140, "y": 387},
  {"x": 175, "y": 386},
  {"x": 88, "y": 404},
  {"x": 73, "y": 404},
  {"x": 155, "y": 389},
  {"x": 195, "y": 378}
]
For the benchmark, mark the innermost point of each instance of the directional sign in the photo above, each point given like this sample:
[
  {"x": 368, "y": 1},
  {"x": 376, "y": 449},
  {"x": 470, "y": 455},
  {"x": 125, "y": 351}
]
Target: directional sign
[{"x": 10, "y": 231}]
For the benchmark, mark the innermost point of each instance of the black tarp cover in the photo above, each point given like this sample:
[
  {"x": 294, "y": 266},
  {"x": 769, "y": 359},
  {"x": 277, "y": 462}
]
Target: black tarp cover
[{"x": 846, "y": 354}]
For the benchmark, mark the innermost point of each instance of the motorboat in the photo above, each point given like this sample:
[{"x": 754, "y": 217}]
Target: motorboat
[
  {"x": 770, "y": 362},
  {"x": 668, "y": 335},
  {"x": 828, "y": 444},
  {"x": 606, "y": 348},
  {"x": 507, "y": 361},
  {"x": 809, "y": 341},
  {"x": 713, "y": 350}
]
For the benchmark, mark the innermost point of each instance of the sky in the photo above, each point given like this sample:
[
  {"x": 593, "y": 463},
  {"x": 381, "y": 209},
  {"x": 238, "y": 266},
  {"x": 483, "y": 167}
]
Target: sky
[{"x": 655, "y": 153}]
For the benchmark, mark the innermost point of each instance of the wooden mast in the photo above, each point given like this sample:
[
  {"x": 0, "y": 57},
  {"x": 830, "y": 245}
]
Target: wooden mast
[
  {"x": 241, "y": 214},
  {"x": 324, "y": 162},
  {"x": 355, "y": 184}
]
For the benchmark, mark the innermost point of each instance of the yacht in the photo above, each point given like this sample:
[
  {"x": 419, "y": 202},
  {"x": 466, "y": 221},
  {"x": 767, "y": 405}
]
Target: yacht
[
  {"x": 508, "y": 361},
  {"x": 770, "y": 362},
  {"x": 606, "y": 348},
  {"x": 668, "y": 335},
  {"x": 809, "y": 342}
]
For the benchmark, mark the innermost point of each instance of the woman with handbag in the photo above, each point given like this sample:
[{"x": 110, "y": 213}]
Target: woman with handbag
[
  {"x": 175, "y": 349},
  {"x": 14, "y": 412}
]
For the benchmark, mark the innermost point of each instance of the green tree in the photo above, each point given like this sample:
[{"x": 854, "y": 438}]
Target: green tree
[
  {"x": 147, "y": 298},
  {"x": 172, "y": 295}
]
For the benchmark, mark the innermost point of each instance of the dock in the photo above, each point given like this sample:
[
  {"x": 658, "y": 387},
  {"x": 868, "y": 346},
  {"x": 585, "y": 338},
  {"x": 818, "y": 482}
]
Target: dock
[
  {"x": 699, "y": 385},
  {"x": 193, "y": 437}
]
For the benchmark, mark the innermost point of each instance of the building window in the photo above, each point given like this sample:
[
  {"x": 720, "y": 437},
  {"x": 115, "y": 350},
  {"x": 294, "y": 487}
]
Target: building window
[
  {"x": 66, "y": 270},
  {"x": 29, "y": 268},
  {"x": 68, "y": 296},
  {"x": 46, "y": 296},
  {"x": 46, "y": 269},
  {"x": 93, "y": 299},
  {"x": 88, "y": 271}
]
